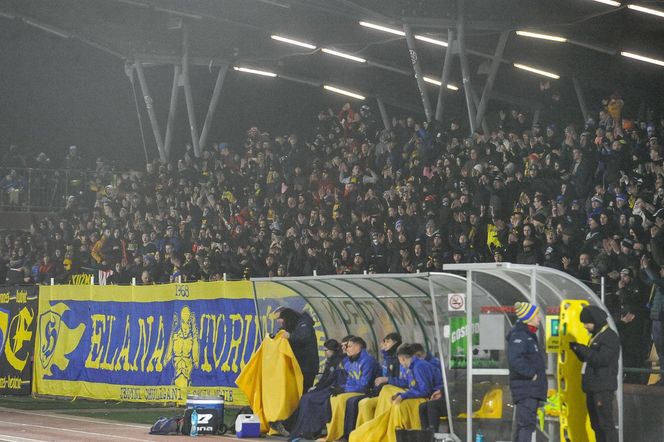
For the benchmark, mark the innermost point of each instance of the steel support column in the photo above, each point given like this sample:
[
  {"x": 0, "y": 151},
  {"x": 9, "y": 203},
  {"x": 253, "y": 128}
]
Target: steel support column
[
  {"x": 147, "y": 98},
  {"x": 188, "y": 97},
  {"x": 536, "y": 116},
  {"x": 445, "y": 75},
  {"x": 491, "y": 78},
  {"x": 465, "y": 71},
  {"x": 417, "y": 69},
  {"x": 476, "y": 103},
  {"x": 216, "y": 92},
  {"x": 383, "y": 114},
  {"x": 171, "y": 111},
  {"x": 581, "y": 98}
]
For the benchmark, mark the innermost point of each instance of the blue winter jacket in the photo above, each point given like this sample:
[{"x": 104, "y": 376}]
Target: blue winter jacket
[
  {"x": 435, "y": 363},
  {"x": 525, "y": 360},
  {"x": 390, "y": 364},
  {"x": 422, "y": 379},
  {"x": 401, "y": 380},
  {"x": 361, "y": 372}
]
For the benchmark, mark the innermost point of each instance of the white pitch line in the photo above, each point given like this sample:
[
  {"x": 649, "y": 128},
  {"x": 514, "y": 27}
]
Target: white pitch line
[
  {"x": 10, "y": 438},
  {"x": 74, "y": 431},
  {"x": 75, "y": 418}
]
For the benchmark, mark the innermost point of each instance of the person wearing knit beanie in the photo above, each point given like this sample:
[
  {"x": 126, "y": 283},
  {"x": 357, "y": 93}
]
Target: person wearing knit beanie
[
  {"x": 527, "y": 369},
  {"x": 527, "y": 312}
]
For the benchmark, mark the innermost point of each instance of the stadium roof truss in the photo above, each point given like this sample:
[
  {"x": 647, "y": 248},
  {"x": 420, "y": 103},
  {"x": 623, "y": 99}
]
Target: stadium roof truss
[{"x": 392, "y": 51}]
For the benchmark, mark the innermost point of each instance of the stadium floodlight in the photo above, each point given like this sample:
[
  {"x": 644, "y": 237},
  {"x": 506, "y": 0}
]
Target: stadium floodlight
[
  {"x": 541, "y": 36},
  {"x": 383, "y": 28},
  {"x": 47, "y": 28},
  {"x": 255, "y": 71},
  {"x": 609, "y": 2},
  {"x": 536, "y": 71},
  {"x": 438, "y": 83},
  {"x": 433, "y": 41},
  {"x": 292, "y": 42},
  {"x": 647, "y": 10},
  {"x": 344, "y": 55},
  {"x": 343, "y": 92},
  {"x": 642, "y": 58}
]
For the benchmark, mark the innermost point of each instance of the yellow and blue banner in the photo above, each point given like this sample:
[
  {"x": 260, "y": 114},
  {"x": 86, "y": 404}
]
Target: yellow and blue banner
[
  {"x": 155, "y": 343},
  {"x": 18, "y": 318}
]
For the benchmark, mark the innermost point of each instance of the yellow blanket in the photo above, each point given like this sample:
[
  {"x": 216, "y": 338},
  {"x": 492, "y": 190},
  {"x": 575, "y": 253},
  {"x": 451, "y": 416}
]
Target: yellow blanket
[
  {"x": 272, "y": 381},
  {"x": 371, "y": 407},
  {"x": 382, "y": 427},
  {"x": 366, "y": 410},
  {"x": 335, "y": 428}
]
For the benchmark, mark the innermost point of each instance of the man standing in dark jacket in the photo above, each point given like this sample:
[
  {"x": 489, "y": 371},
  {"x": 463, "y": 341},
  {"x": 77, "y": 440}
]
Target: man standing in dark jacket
[
  {"x": 299, "y": 329},
  {"x": 599, "y": 371},
  {"x": 300, "y": 332},
  {"x": 527, "y": 369}
]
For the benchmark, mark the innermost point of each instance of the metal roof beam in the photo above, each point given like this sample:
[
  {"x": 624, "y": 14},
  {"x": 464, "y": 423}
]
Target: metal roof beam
[
  {"x": 445, "y": 23},
  {"x": 61, "y": 32},
  {"x": 169, "y": 60}
]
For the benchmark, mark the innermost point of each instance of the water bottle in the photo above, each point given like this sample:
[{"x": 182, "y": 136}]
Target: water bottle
[
  {"x": 194, "y": 423},
  {"x": 479, "y": 437}
]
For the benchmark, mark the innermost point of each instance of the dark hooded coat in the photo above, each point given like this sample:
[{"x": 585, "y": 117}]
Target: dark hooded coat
[{"x": 601, "y": 356}]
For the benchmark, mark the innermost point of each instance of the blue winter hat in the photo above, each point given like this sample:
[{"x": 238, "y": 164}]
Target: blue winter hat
[{"x": 525, "y": 311}]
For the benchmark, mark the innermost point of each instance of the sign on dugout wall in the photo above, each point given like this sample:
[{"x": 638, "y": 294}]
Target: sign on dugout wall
[
  {"x": 154, "y": 343},
  {"x": 18, "y": 318}
]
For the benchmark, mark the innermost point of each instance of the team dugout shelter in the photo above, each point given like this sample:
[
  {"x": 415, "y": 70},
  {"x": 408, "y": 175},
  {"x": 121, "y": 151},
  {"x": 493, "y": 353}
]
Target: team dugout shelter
[{"x": 468, "y": 306}]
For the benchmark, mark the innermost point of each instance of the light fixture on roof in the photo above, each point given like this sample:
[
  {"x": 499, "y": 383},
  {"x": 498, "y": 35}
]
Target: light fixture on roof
[
  {"x": 536, "y": 71},
  {"x": 609, "y": 2},
  {"x": 541, "y": 36},
  {"x": 344, "y": 55},
  {"x": 47, "y": 28},
  {"x": 646, "y": 10},
  {"x": 255, "y": 71},
  {"x": 431, "y": 40},
  {"x": 343, "y": 92},
  {"x": 292, "y": 42},
  {"x": 383, "y": 28},
  {"x": 401, "y": 33},
  {"x": 642, "y": 58},
  {"x": 438, "y": 83}
]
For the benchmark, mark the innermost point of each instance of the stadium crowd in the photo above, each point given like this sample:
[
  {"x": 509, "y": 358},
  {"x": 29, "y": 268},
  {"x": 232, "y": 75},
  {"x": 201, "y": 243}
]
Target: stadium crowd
[{"x": 584, "y": 198}]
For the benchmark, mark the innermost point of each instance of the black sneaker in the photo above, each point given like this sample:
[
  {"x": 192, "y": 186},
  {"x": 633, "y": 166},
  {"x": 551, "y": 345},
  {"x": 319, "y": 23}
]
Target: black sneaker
[{"x": 279, "y": 428}]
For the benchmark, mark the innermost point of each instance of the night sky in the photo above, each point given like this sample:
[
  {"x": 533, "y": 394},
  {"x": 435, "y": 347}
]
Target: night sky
[{"x": 56, "y": 92}]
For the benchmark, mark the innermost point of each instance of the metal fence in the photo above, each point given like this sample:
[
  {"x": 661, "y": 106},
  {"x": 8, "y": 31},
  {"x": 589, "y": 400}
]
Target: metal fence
[{"x": 47, "y": 190}]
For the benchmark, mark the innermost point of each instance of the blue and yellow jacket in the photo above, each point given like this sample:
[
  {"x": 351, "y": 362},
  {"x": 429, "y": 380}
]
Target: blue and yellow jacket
[
  {"x": 435, "y": 362},
  {"x": 361, "y": 372},
  {"x": 401, "y": 380},
  {"x": 422, "y": 378},
  {"x": 390, "y": 365}
]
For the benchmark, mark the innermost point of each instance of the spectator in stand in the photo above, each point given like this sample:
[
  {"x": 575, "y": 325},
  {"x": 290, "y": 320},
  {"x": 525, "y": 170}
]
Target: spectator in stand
[
  {"x": 12, "y": 186},
  {"x": 632, "y": 323},
  {"x": 420, "y": 195},
  {"x": 656, "y": 306}
]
